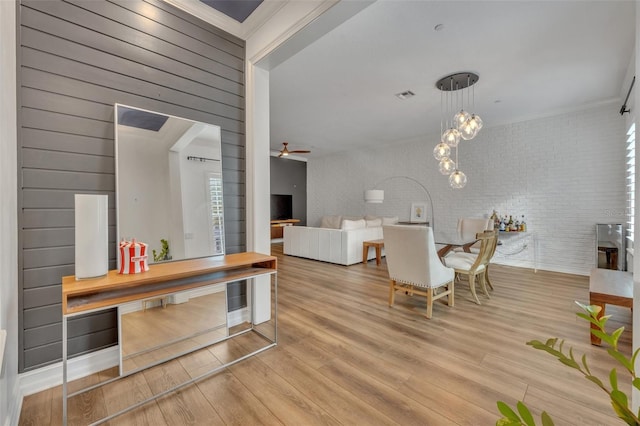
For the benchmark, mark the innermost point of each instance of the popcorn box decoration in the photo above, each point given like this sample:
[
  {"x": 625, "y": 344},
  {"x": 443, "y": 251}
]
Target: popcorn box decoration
[{"x": 133, "y": 257}]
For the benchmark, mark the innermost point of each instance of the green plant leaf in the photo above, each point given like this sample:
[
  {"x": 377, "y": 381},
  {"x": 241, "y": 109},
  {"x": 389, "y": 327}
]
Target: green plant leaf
[
  {"x": 589, "y": 318},
  {"x": 595, "y": 380},
  {"x": 546, "y": 419},
  {"x": 613, "y": 379},
  {"x": 571, "y": 363},
  {"x": 620, "y": 358},
  {"x": 633, "y": 361},
  {"x": 620, "y": 397},
  {"x": 584, "y": 363},
  {"x": 636, "y": 383},
  {"x": 616, "y": 335},
  {"x": 508, "y": 422},
  {"x": 619, "y": 403},
  {"x": 527, "y": 418},
  {"x": 543, "y": 347},
  {"x": 604, "y": 336},
  {"x": 506, "y": 411},
  {"x": 593, "y": 310}
]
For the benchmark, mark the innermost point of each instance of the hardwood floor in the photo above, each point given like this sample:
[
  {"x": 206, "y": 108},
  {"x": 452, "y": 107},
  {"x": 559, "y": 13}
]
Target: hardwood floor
[{"x": 345, "y": 357}]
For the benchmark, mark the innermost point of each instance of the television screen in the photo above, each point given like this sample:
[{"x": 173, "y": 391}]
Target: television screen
[{"x": 281, "y": 206}]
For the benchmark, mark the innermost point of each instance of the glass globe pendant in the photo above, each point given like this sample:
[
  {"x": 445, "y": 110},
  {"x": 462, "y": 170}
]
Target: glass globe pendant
[
  {"x": 467, "y": 130},
  {"x": 451, "y": 137},
  {"x": 476, "y": 122},
  {"x": 460, "y": 118},
  {"x": 441, "y": 151},
  {"x": 457, "y": 179},
  {"x": 447, "y": 166}
]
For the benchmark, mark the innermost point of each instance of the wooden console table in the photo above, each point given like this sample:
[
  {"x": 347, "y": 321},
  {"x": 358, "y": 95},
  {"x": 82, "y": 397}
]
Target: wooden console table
[
  {"x": 277, "y": 227},
  {"x": 113, "y": 290}
]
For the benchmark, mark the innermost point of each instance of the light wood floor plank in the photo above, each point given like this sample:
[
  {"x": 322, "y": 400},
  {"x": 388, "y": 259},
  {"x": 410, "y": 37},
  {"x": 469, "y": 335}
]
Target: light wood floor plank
[{"x": 324, "y": 392}]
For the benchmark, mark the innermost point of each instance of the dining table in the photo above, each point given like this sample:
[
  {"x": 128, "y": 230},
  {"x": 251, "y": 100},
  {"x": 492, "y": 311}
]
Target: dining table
[{"x": 448, "y": 241}]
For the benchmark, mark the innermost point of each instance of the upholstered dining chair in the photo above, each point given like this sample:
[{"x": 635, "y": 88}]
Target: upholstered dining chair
[
  {"x": 468, "y": 227},
  {"x": 475, "y": 265},
  {"x": 414, "y": 266}
]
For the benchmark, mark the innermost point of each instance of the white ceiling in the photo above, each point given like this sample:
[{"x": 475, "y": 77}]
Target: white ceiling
[{"x": 534, "y": 58}]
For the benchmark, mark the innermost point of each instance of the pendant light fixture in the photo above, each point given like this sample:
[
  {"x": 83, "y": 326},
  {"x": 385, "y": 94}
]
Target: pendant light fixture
[{"x": 463, "y": 125}]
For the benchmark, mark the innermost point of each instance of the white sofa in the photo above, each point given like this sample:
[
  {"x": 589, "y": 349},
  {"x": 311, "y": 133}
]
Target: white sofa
[{"x": 328, "y": 244}]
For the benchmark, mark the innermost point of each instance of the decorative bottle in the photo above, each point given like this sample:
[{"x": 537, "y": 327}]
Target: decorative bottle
[{"x": 523, "y": 225}]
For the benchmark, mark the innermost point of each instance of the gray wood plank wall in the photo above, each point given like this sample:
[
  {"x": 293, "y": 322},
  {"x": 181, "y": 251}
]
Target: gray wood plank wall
[{"x": 77, "y": 58}]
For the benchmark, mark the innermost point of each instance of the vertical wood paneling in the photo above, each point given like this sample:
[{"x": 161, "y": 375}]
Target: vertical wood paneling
[{"x": 77, "y": 59}]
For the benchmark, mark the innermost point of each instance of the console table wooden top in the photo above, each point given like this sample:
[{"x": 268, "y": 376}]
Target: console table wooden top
[{"x": 114, "y": 288}]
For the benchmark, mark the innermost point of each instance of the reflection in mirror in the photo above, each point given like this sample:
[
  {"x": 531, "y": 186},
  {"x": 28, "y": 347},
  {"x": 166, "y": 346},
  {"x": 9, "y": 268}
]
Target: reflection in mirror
[
  {"x": 156, "y": 330},
  {"x": 169, "y": 184},
  {"x": 610, "y": 246}
]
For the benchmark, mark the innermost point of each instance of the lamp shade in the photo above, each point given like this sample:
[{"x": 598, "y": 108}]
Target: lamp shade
[
  {"x": 91, "y": 220},
  {"x": 373, "y": 196}
]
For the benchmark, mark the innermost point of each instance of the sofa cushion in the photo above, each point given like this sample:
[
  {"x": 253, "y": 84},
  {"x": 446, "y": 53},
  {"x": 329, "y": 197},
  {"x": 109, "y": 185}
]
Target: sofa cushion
[
  {"x": 390, "y": 220},
  {"x": 332, "y": 222},
  {"x": 370, "y": 217},
  {"x": 353, "y": 224},
  {"x": 371, "y": 223}
]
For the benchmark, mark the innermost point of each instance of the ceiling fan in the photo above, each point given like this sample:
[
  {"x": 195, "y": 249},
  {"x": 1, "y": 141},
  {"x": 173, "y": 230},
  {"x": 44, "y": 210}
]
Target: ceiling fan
[{"x": 285, "y": 151}]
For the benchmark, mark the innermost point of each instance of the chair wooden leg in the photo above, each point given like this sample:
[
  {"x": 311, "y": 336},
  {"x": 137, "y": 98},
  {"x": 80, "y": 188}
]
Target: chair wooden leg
[
  {"x": 450, "y": 297},
  {"x": 392, "y": 292},
  {"x": 472, "y": 287},
  {"x": 429, "y": 303},
  {"x": 483, "y": 280},
  {"x": 486, "y": 276}
]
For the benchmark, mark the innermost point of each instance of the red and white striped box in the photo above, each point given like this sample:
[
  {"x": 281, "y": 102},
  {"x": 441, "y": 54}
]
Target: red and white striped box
[{"x": 133, "y": 257}]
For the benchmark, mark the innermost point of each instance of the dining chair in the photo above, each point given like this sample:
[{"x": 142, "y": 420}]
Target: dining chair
[
  {"x": 468, "y": 227},
  {"x": 475, "y": 265},
  {"x": 414, "y": 266},
  {"x": 473, "y": 256}
]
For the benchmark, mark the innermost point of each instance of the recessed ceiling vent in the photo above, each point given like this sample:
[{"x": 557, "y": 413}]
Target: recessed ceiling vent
[{"x": 405, "y": 95}]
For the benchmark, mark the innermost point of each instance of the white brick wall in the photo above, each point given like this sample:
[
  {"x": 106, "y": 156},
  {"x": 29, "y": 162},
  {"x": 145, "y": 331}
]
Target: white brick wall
[{"x": 564, "y": 173}]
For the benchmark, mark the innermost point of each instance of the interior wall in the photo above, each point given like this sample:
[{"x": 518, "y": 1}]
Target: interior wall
[
  {"x": 289, "y": 177},
  {"x": 564, "y": 173},
  {"x": 77, "y": 60},
  {"x": 8, "y": 213}
]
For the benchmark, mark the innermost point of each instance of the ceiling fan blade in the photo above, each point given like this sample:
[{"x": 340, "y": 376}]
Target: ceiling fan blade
[{"x": 299, "y": 152}]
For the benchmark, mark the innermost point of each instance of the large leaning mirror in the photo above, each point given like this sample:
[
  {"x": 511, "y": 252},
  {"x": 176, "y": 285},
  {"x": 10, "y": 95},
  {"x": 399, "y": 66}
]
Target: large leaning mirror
[
  {"x": 169, "y": 195},
  {"x": 169, "y": 184},
  {"x": 610, "y": 246}
]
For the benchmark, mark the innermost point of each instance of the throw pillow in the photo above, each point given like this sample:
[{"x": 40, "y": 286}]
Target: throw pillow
[
  {"x": 353, "y": 224},
  {"x": 372, "y": 223},
  {"x": 390, "y": 220},
  {"x": 332, "y": 222}
]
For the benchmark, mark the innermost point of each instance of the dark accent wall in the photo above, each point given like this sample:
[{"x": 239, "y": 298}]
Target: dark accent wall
[
  {"x": 76, "y": 59},
  {"x": 290, "y": 177}
]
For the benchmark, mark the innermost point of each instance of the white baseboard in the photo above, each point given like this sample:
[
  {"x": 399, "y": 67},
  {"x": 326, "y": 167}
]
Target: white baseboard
[{"x": 46, "y": 377}]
